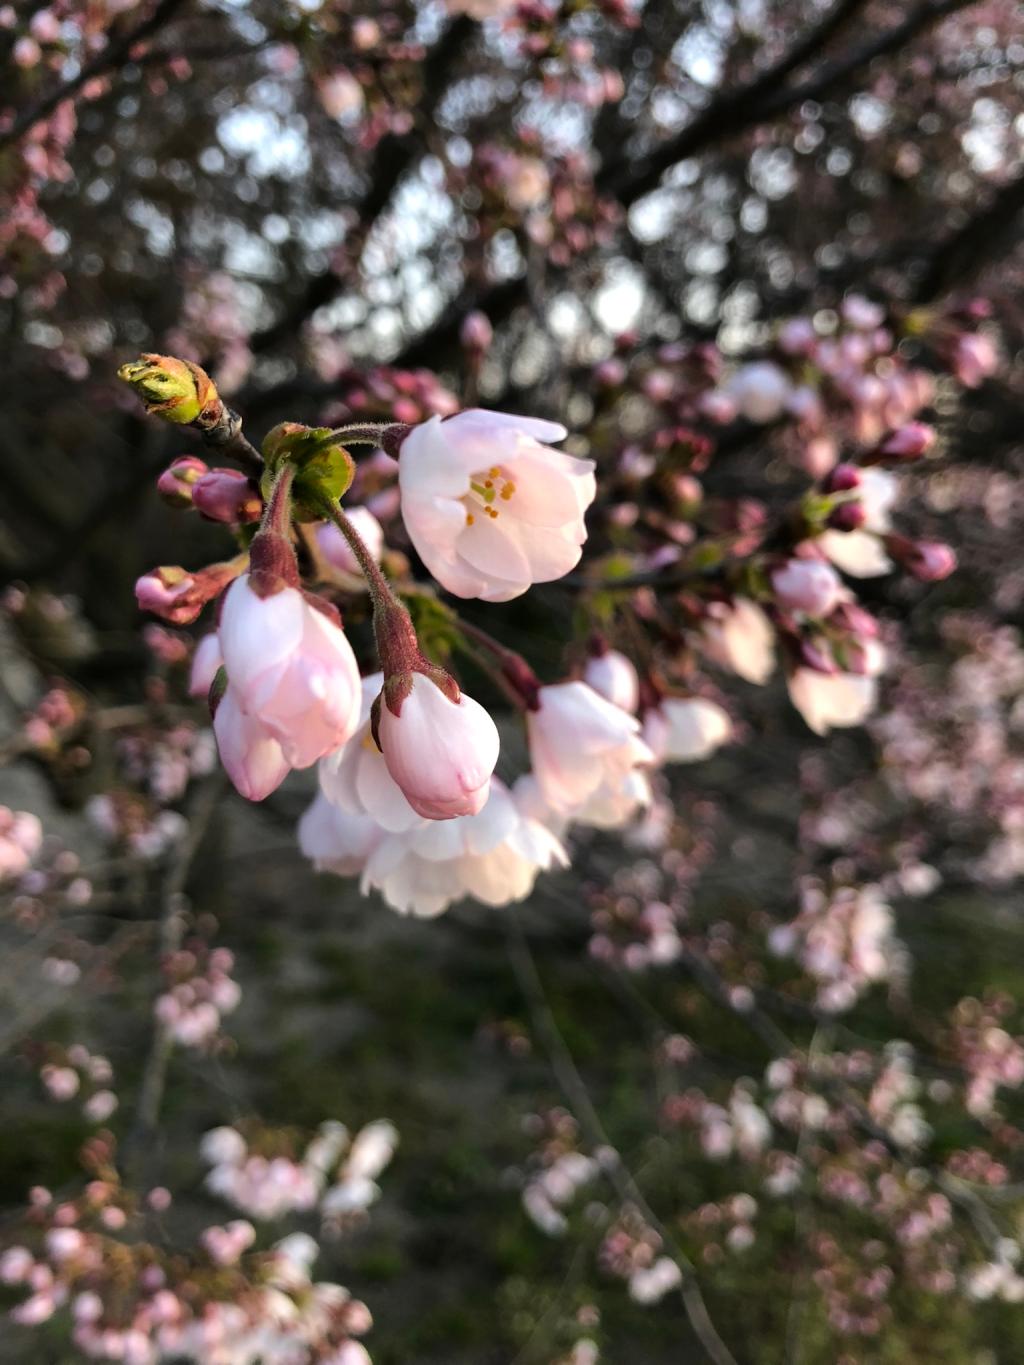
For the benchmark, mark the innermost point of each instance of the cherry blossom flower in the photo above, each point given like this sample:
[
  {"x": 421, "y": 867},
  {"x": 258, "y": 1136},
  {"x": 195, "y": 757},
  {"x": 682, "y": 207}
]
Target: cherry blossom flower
[
  {"x": 490, "y": 509},
  {"x": 494, "y": 856},
  {"x": 861, "y": 553},
  {"x": 807, "y": 585},
  {"x": 441, "y": 752},
  {"x": 206, "y": 660},
  {"x": 355, "y": 780},
  {"x": 827, "y": 700},
  {"x": 685, "y": 729},
  {"x": 613, "y": 676},
  {"x": 740, "y": 637},
  {"x": 251, "y": 753},
  {"x": 291, "y": 671},
  {"x": 579, "y": 744},
  {"x": 760, "y": 391}
]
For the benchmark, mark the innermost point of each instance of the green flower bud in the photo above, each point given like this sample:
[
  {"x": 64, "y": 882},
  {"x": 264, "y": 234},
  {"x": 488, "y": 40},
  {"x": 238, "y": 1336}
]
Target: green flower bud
[
  {"x": 324, "y": 467},
  {"x": 173, "y": 389}
]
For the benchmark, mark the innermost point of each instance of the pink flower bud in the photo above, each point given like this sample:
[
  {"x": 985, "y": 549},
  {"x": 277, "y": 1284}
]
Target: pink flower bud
[
  {"x": 227, "y": 495},
  {"x": 807, "y": 585},
  {"x": 476, "y": 332},
  {"x": 441, "y": 752},
  {"x": 177, "y": 596},
  {"x": 908, "y": 442},
  {"x": 850, "y": 516},
  {"x": 293, "y": 686},
  {"x": 927, "y": 560},
  {"x": 843, "y": 479}
]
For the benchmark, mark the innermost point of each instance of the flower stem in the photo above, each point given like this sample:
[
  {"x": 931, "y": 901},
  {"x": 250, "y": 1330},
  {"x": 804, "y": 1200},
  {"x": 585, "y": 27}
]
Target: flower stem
[
  {"x": 516, "y": 672},
  {"x": 397, "y": 644}
]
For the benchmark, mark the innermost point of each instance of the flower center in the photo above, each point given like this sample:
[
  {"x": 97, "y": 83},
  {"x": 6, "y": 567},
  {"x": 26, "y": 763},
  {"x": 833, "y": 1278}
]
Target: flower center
[{"x": 485, "y": 491}]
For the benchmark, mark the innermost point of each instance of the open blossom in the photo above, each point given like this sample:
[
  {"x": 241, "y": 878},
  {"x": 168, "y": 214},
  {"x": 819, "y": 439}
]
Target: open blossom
[
  {"x": 760, "y": 391},
  {"x": 355, "y": 780},
  {"x": 441, "y": 752},
  {"x": 290, "y": 670},
  {"x": 685, "y": 729},
  {"x": 807, "y": 585},
  {"x": 614, "y": 677},
  {"x": 579, "y": 742},
  {"x": 336, "y": 549},
  {"x": 861, "y": 553},
  {"x": 827, "y": 700},
  {"x": 494, "y": 856},
  {"x": 740, "y": 637},
  {"x": 490, "y": 509}
]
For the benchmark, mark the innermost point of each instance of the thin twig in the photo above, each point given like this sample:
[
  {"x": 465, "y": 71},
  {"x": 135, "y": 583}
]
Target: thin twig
[
  {"x": 579, "y": 1100},
  {"x": 171, "y": 934}
]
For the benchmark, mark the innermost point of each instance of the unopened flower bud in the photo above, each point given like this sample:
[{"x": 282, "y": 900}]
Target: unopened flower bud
[
  {"x": 929, "y": 561},
  {"x": 173, "y": 389},
  {"x": 908, "y": 442},
  {"x": 850, "y": 516},
  {"x": 476, "y": 332},
  {"x": 439, "y": 745},
  {"x": 227, "y": 495},
  {"x": 843, "y": 479},
  {"x": 177, "y": 596},
  {"x": 175, "y": 484}
]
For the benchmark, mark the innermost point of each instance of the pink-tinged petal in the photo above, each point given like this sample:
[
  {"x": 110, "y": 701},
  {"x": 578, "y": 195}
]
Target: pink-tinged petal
[
  {"x": 441, "y": 753},
  {"x": 379, "y": 794},
  {"x": 335, "y": 841},
  {"x": 537, "y": 428},
  {"x": 251, "y": 755},
  {"x": 206, "y": 660},
  {"x": 492, "y": 548},
  {"x": 257, "y": 634},
  {"x": 551, "y": 488}
]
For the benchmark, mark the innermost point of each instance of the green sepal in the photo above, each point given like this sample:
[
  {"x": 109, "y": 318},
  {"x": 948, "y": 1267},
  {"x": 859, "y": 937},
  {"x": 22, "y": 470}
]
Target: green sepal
[{"x": 325, "y": 469}]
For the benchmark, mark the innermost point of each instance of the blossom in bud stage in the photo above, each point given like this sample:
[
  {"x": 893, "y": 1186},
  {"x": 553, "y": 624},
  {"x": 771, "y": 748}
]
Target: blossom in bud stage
[
  {"x": 175, "y": 595},
  {"x": 227, "y": 495},
  {"x": 929, "y": 561},
  {"x": 908, "y": 442},
  {"x": 740, "y": 637},
  {"x": 613, "y": 676},
  {"x": 860, "y": 553},
  {"x": 439, "y": 745},
  {"x": 580, "y": 743},
  {"x": 291, "y": 669},
  {"x": 494, "y": 856},
  {"x": 355, "y": 779},
  {"x": 974, "y": 358},
  {"x": 206, "y": 660},
  {"x": 173, "y": 389},
  {"x": 336, "y": 549},
  {"x": 175, "y": 484},
  {"x": 476, "y": 332},
  {"x": 807, "y": 585},
  {"x": 685, "y": 729},
  {"x": 827, "y": 700},
  {"x": 490, "y": 509},
  {"x": 252, "y": 755},
  {"x": 760, "y": 391}
]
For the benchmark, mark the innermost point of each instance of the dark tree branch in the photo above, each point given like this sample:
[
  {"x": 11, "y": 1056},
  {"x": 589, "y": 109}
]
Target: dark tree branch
[
  {"x": 723, "y": 119},
  {"x": 116, "y": 52},
  {"x": 969, "y": 250},
  {"x": 394, "y": 157}
]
